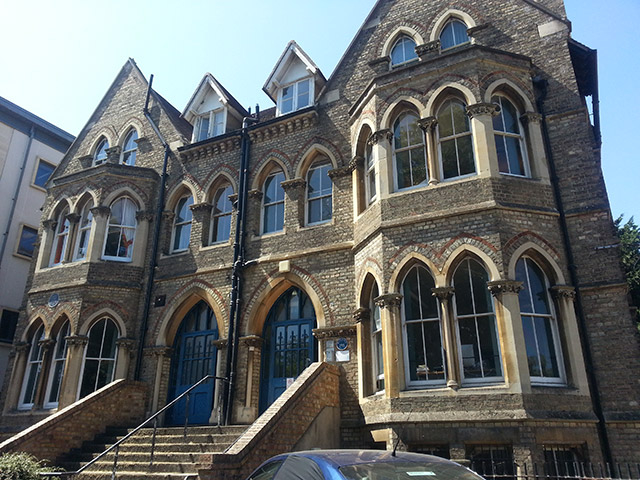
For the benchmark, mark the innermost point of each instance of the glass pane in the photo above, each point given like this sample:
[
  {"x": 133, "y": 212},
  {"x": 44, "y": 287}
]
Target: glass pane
[
  {"x": 464, "y": 303},
  {"x": 516, "y": 161},
  {"x": 465, "y": 155},
  {"x": 548, "y": 360},
  {"x": 411, "y": 298},
  {"x": 460, "y": 118},
  {"x": 400, "y": 134},
  {"x": 445, "y": 122},
  {"x": 221, "y": 228},
  {"x": 326, "y": 209},
  {"x": 403, "y": 169},
  {"x": 503, "y": 161},
  {"x": 110, "y": 337},
  {"x": 428, "y": 302},
  {"x": 89, "y": 377},
  {"x": 446, "y": 37},
  {"x": 416, "y": 353},
  {"x": 489, "y": 346},
  {"x": 105, "y": 373},
  {"x": 314, "y": 182},
  {"x": 43, "y": 173},
  {"x": 27, "y": 241},
  {"x": 56, "y": 381},
  {"x": 460, "y": 32},
  {"x": 287, "y": 100},
  {"x": 532, "y": 349},
  {"x": 32, "y": 381},
  {"x": 303, "y": 94},
  {"x": 449, "y": 159},
  {"x": 481, "y": 294},
  {"x": 538, "y": 289},
  {"x": 95, "y": 340},
  {"x": 498, "y": 122},
  {"x": 418, "y": 166},
  {"x": 433, "y": 344},
  {"x": 469, "y": 348},
  {"x": 510, "y": 116}
]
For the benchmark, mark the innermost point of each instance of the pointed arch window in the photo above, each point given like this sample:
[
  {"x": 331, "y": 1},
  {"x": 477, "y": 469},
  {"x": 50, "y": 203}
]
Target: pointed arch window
[
  {"x": 403, "y": 50},
  {"x": 32, "y": 371},
  {"x": 121, "y": 231},
  {"x": 422, "y": 329},
  {"x": 509, "y": 138},
  {"x": 319, "y": 193},
  {"x": 409, "y": 154},
  {"x": 182, "y": 224},
  {"x": 84, "y": 230},
  {"x": 376, "y": 341},
  {"x": 454, "y": 140},
  {"x": 273, "y": 203},
  {"x": 130, "y": 148},
  {"x": 61, "y": 239},
  {"x": 453, "y": 34},
  {"x": 477, "y": 330},
  {"x": 99, "y": 357},
  {"x": 544, "y": 354},
  {"x": 221, "y": 215},
  {"x": 100, "y": 153},
  {"x": 57, "y": 367},
  {"x": 370, "y": 166}
]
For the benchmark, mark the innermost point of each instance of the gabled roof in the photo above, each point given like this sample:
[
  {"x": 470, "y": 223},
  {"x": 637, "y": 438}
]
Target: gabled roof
[
  {"x": 291, "y": 51},
  {"x": 210, "y": 81}
]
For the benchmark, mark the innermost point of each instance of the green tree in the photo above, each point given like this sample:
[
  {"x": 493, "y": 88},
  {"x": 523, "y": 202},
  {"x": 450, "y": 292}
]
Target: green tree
[
  {"x": 21, "y": 466},
  {"x": 629, "y": 234}
]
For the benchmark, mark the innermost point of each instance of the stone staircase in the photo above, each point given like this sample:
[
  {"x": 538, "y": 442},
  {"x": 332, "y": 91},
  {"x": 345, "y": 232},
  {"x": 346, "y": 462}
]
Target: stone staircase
[{"x": 175, "y": 455}]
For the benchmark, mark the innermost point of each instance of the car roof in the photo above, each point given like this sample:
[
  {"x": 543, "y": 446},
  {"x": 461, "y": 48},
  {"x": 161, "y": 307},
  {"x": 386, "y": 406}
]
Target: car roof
[{"x": 341, "y": 458}]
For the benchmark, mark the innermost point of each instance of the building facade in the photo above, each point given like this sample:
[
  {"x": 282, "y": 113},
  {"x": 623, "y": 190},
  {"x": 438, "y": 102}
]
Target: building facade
[
  {"x": 432, "y": 218},
  {"x": 30, "y": 150}
]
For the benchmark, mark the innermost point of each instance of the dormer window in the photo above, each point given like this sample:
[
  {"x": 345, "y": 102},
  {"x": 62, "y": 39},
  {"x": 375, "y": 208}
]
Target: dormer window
[
  {"x": 210, "y": 125},
  {"x": 454, "y": 33},
  {"x": 403, "y": 51},
  {"x": 296, "y": 96}
]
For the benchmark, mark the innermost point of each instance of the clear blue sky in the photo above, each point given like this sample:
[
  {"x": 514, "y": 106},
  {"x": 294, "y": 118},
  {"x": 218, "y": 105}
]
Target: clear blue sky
[{"x": 60, "y": 57}]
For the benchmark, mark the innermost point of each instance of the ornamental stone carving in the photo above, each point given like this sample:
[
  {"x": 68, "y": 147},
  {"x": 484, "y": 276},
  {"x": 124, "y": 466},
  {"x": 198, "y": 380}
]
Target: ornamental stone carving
[
  {"x": 381, "y": 135},
  {"x": 49, "y": 224},
  {"x": 563, "y": 292},
  {"x": 145, "y": 215},
  {"x": 356, "y": 162},
  {"x": 113, "y": 154},
  {"x": 126, "y": 343},
  {"x": 335, "y": 332},
  {"x": 361, "y": 315},
  {"x": 21, "y": 347},
  {"x": 255, "y": 194},
  {"x": 388, "y": 300},
  {"x": 201, "y": 208},
  {"x": 220, "y": 343},
  {"x": 46, "y": 344},
  {"x": 293, "y": 185},
  {"x": 158, "y": 352},
  {"x": 530, "y": 117},
  {"x": 252, "y": 341},
  {"x": 428, "y": 124},
  {"x": 427, "y": 48},
  {"x": 443, "y": 293},
  {"x": 73, "y": 218},
  {"x": 338, "y": 172},
  {"x": 479, "y": 109},
  {"x": 499, "y": 287},
  {"x": 100, "y": 211},
  {"x": 76, "y": 340}
]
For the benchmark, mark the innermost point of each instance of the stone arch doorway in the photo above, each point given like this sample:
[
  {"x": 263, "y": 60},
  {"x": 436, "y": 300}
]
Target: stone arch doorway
[
  {"x": 289, "y": 346},
  {"x": 194, "y": 356}
]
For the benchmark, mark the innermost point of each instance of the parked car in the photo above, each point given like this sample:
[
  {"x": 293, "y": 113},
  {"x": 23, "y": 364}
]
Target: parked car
[{"x": 360, "y": 465}]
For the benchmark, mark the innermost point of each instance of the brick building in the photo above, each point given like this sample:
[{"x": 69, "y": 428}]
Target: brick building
[{"x": 432, "y": 218}]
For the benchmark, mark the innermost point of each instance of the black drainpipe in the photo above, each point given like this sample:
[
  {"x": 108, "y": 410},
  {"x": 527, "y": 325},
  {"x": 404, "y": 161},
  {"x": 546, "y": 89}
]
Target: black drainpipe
[
  {"x": 233, "y": 337},
  {"x": 541, "y": 86},
  {"x": 156, "y": 236}
]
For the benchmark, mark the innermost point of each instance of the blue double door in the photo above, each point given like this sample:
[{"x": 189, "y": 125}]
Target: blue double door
[
  {"x": 289, "y": 346},
  {"x": 194, "y": 357}
]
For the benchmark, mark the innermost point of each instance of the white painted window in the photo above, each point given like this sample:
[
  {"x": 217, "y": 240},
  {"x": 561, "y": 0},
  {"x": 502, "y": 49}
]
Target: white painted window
[
  {"x": 210, "y": 124},
  {"x": 319, "y": 194},
  {"x": 295, "y": 96},
  {"x": 370, "y": 181},
  {"x": 100, "y": 355},
  {"x": 100, "y": 153},
  {"x": 409, "y": 156},
  {"x": 121, "y": 231},
  {"x": 130, "y": 148},
  {"x": 83, "y": 233},
  {"x": 403, "y": 51},
  {"x": 453, "y": 34},
  {"x": 376, "y": 341},
  {"x": 510, "y": 145},
  {"x": 273, "y": 203},
  {"x": 455, "y": 143},
  {"x": 32, "y": 371},
  {"x": 56, "y": 370},
  {"x": 60, "y": 239},
  {"x": 221, "y": 215},
  {"x": 182, "y": 224}
]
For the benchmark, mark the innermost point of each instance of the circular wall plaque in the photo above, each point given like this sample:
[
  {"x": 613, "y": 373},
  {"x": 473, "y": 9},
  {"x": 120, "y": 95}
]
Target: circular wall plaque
[
  {"x": 54, "y": 300},
  {"x": 342, "y": 344}
]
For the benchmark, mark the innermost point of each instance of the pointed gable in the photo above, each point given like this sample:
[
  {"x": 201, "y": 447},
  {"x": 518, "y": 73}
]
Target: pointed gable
[{"x": 295, "y": 80}]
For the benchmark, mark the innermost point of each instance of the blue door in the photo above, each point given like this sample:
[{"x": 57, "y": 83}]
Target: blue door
[
  {"x": 194, "y": 357},
  {"x": 289, "y": 346}
]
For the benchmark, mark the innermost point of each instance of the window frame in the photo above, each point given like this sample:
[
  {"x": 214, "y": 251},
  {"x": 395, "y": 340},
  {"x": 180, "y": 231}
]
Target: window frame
[
  {"x": 188, "y": 221},
  {"x": 370, "y": 173},
  {"x": 377, "y": 345},
  {"x": 56, "y": 361},
  {"x": 454, "y": 137},
  {"x": 520, "y": 136},
  {"x": 219, "y": 195},
  {"x": 59, "y": 236},
  {"x": 319, "y": 165},
  {"x": 264, "y": 206},
  {"x": 102, "y": 145},
  {"x": 39, "y": 162},
  {"x": 295, "y": 95},
  {"x": 6, "y": 323},
  {"x": 447, "y": 23},
  {"x": 403, "y": 38},
  {"x": 212, "y": 130},
  {"x": 38, "y": 336},
  {"x": 18, "y": 252},
  {"x": 81, "y": 230},
  {"x": 410, "y": 148},
  {"x": 131, "y": 152},
  {"x": 127, "y": 259},
  {"x": 100, "y": 358}
]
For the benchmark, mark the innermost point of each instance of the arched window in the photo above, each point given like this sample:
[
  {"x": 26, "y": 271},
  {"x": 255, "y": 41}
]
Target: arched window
[
  {"x": 221, "y": 215},
  {"x": 99, "y": 357},
  {"x": 408, "y": 152},
  {"x": 182, "y": 224},
  {"x": 273, "y": 203},
  {"x": 121, "y": 230},
  {"x": 404, "y": 50},
  {"x": 84, "y": 230},
  {"x": 509, "y": 139},
  {"x": 454, "y": 33},
  {"x": 32, "y": 371},
  {"x": 376, "y": 341},
  {"x": 100, "y": 154},
  {"x": 56, "y": 370},
  {"x": 424, "y": 355},
  {"x": 319, "y": 193},
  {"x": 61, "y": 238},
  {"x": 130, "y": 148},
  {"x": 539, "y": 323},
  {"x": 477, "y": 330},
  {"x": 454, "y": 140},
  {"x": 370, "y": 166}
]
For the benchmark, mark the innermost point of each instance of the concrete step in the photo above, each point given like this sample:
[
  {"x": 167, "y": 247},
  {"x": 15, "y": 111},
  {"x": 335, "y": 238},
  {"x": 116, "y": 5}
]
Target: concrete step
[
  {"x": 165, "y": 439},
  {"x": 157, "y": 467},
  {"x": 93, "y": 475}
]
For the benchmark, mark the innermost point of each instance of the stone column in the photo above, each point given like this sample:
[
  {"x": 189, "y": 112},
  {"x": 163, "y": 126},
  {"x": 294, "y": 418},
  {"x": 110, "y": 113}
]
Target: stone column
[
  {"x": 444, "y": 295},
  {"x": 20, "y": 353},
  {"x": 341, "y": 186},
  {"x": 428, "y": 126},
  {"x": 564, "y": 296},
  {"x": 47, "y": 349},
  {"x": 73, "y": 219},
  {"x": 141, "y": 240},
  {"x": 48, "y": 234},
  {"x": 98, "y": 234},
  {"x": 537, "y": 158},
  {"x": 254, "y": 210},
  {"x": 359, "y": 191},
  {"x": 72, "y": 368},
  {"x": 383, "y": 153},
  {"x": 391, "y": 343},
  {"x": 201, "y": 224},
  {"x": 253, "y": 349},
  {"x": 511, "y": 334},
  {"x": 294, "y": 203},
  {"x": 484, "y": 145},
  {"x": 362, "y": 317},
  {"x": 126, "y": 350},
  {"x": 166, "y": 230},
  {"x": 161, "y": 355}
]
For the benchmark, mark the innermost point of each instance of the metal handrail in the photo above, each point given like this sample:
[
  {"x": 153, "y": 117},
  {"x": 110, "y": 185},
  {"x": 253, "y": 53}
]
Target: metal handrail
[{"x": 154, "y": 417}]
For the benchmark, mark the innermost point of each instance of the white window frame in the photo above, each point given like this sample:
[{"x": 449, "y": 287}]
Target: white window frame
[
  {"x": 376, "y": 350},
  {"x": 370, "y": 173},
  {"x": 60, "y": 236},
  {"x": 519, "y": 136},
  {"x": 132, "y": 151},
  {"x": 405, "y": 61},
  {"x": 99, "y": 161},
  {"x": 100, "y": 358},
  {"x": 409, "y": 149},
  {"x": 217, "y": 117},
  {"x": 35, "y": 174},
  {"x": 295, "y": 86},
  {"x": 455, "y": 137},
  {"x": 128, "y": 259},
  {"x": 264, "y": 205},
  {"x": 450, "y": 21},
  {"x": 216, "y": 216},
  {"x": 317, "y": 166},
  {"x": 83, "y": 229},
  {"x": 55, "y": 361},
  {"x": 38, "y": 336},
  {"x": 183, "y": 224}
]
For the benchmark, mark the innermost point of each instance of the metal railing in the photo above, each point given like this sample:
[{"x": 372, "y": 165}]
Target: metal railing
[
  {"x": 556, "y": 471},
  {"x": 154, "y": 418}
]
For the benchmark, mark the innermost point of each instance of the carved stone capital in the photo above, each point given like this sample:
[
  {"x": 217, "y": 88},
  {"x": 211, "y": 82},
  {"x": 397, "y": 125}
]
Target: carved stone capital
[
  {"x": 220, "y": 343},
  {"x": 76, "y": 340},
  {"x": 443, "y": 293},
  {"x": 428, "y": 124},
  {"x": 356, "y": 162},
  {"x": 361, "y": 315},
  {"x": 46, "y": 344},
  {"x": 530, "y": 117},
  {"x": 252, "y": 341},
  {"x": 380, "y": 136},
  {"x": 499, "y": 287},
  {"x": 50, "y": 224},
  {"x": 480, "y": 109},
  {"x": 168, "y": 216},
  {"x": 233, "y": 198},
  {"x": 86, "y": 161},
  {"x": 294, "y": 184},
  {"x": 255, "y": 194},
  {"x": 563, "y": 292},
  {"x": 100, "y": 211},
  {"x": 73, "y": 218},
  {"x": 113, "y": 154},
  {"x": 21, "y": 347},
  {"x": 203, "y": 208},
  {"x": 388, "y": 300},
  {"x": 335, "y": 332},
  {"x": 427, "y": 48},
  {"x": 126, "y": 343},
  {"x": 145, "y": 215},
  {"x": 338, "y": 172},
  {"x": 158, "y": 352}
]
